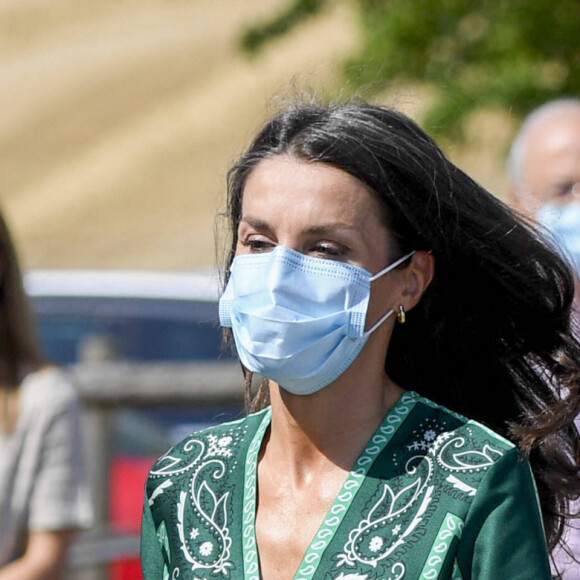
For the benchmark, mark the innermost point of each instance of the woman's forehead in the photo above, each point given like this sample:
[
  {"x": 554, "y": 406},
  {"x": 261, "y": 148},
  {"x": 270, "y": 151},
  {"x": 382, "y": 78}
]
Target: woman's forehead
[{"x": 286, "y": 186}]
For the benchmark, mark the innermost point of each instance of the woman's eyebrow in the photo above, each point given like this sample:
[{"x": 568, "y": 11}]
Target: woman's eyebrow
[
  {"x": 257, "y": 223},
  {"x": 320, "y": 229},
  {"x": 331, "y": 227}
]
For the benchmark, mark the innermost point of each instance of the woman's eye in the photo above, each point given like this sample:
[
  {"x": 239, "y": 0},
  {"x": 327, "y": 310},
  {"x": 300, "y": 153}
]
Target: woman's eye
[
  {"x": 258, "y": 245},
  {"x": 329, "y": 251}
]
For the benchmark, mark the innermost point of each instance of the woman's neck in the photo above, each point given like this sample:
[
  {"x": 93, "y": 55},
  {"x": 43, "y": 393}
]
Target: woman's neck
[{"x": 310, "y": 434}]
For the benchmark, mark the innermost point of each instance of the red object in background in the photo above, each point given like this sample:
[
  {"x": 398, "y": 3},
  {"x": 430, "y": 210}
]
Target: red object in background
[
  {"x": 126, "y": 569},
  {"x": 126, "y": 485}
]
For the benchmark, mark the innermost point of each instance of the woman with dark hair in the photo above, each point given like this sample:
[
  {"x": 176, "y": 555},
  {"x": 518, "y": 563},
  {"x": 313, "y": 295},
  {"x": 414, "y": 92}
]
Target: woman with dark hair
[
  {"x": 43, "y": 494},
  {"x": 420, "y": 381}
]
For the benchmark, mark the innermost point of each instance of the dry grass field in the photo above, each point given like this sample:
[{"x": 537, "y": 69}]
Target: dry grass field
[{"x": 119, "y": 118}]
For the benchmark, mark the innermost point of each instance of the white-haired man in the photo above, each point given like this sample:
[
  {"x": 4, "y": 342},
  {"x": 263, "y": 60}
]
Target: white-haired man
[{"x": 544, "y": 169}]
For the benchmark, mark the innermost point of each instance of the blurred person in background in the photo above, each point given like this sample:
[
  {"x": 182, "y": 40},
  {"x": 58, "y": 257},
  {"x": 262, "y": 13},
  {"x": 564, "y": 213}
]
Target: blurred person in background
[
  {"x": 43, "y": 492},
  {"x": 544, "y": 169}
]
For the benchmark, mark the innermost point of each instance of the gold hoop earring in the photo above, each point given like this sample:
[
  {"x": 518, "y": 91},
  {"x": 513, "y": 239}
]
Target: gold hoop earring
[{"x": 401, "y": 316}]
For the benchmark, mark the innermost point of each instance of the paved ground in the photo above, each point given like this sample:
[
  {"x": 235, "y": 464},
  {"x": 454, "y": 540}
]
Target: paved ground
[{"x": 118, "y": 119}]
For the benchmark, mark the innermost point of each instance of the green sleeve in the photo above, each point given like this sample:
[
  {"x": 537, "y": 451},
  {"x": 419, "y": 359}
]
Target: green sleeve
[
  {"x": 152, "y": 563},
  {"x": 503, "y": 535}
]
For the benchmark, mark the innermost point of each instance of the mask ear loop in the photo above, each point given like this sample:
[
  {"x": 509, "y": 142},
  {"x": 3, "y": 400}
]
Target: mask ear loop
[
  {"x": 390, "y": 267},
  {"x": 378, "y": 275},
  {"x": 379, "y": 322}
]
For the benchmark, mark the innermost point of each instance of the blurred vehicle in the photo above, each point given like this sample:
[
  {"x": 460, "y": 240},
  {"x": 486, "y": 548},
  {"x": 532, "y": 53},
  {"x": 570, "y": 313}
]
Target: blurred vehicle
[
  {"x": 124, "y": 315},
  {"x": 93, "y": 316}
]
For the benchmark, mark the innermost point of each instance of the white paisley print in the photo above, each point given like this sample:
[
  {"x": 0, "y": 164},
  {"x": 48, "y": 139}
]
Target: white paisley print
[{"x": 406, "y": 511}]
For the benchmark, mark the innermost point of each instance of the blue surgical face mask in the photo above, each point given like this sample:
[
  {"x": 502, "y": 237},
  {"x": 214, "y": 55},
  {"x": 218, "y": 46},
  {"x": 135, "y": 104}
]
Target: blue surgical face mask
[
  {"x": 296, "y": 319},
  {"x": 563, "y": 221}
]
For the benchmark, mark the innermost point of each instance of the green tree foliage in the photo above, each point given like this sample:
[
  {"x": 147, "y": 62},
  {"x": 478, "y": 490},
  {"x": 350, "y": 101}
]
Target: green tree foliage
[
  {"x": 514, "y": 54},
  {"x": 254, "y": 37}
]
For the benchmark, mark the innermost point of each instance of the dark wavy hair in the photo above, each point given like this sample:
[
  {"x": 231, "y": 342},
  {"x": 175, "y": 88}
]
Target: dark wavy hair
[
  {"x": 491, "y": 337},
  {"x": 20, "y": 352}
]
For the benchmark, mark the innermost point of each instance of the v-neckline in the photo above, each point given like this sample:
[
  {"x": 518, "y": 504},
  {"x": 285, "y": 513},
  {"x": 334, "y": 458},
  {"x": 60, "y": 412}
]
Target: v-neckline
[{"x": 335, "y": 514}]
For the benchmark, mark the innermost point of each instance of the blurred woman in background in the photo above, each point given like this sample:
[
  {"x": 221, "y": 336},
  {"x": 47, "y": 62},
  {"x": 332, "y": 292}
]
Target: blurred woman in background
[{"x": 43, "y": 493}]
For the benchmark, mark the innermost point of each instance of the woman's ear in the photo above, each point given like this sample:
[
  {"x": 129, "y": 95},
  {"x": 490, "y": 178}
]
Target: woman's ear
[{"x": 418, "y": 276}]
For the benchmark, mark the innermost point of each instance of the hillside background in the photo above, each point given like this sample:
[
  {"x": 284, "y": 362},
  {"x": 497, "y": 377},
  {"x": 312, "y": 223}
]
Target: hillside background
[{"x": 119, "y": 119}]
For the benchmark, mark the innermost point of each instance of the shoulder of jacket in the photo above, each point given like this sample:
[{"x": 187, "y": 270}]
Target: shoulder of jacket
[
  {"x": 459, "y": 426},
  {"x": 47, "y": 388},
  {"x": 226, "y": 441}
]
